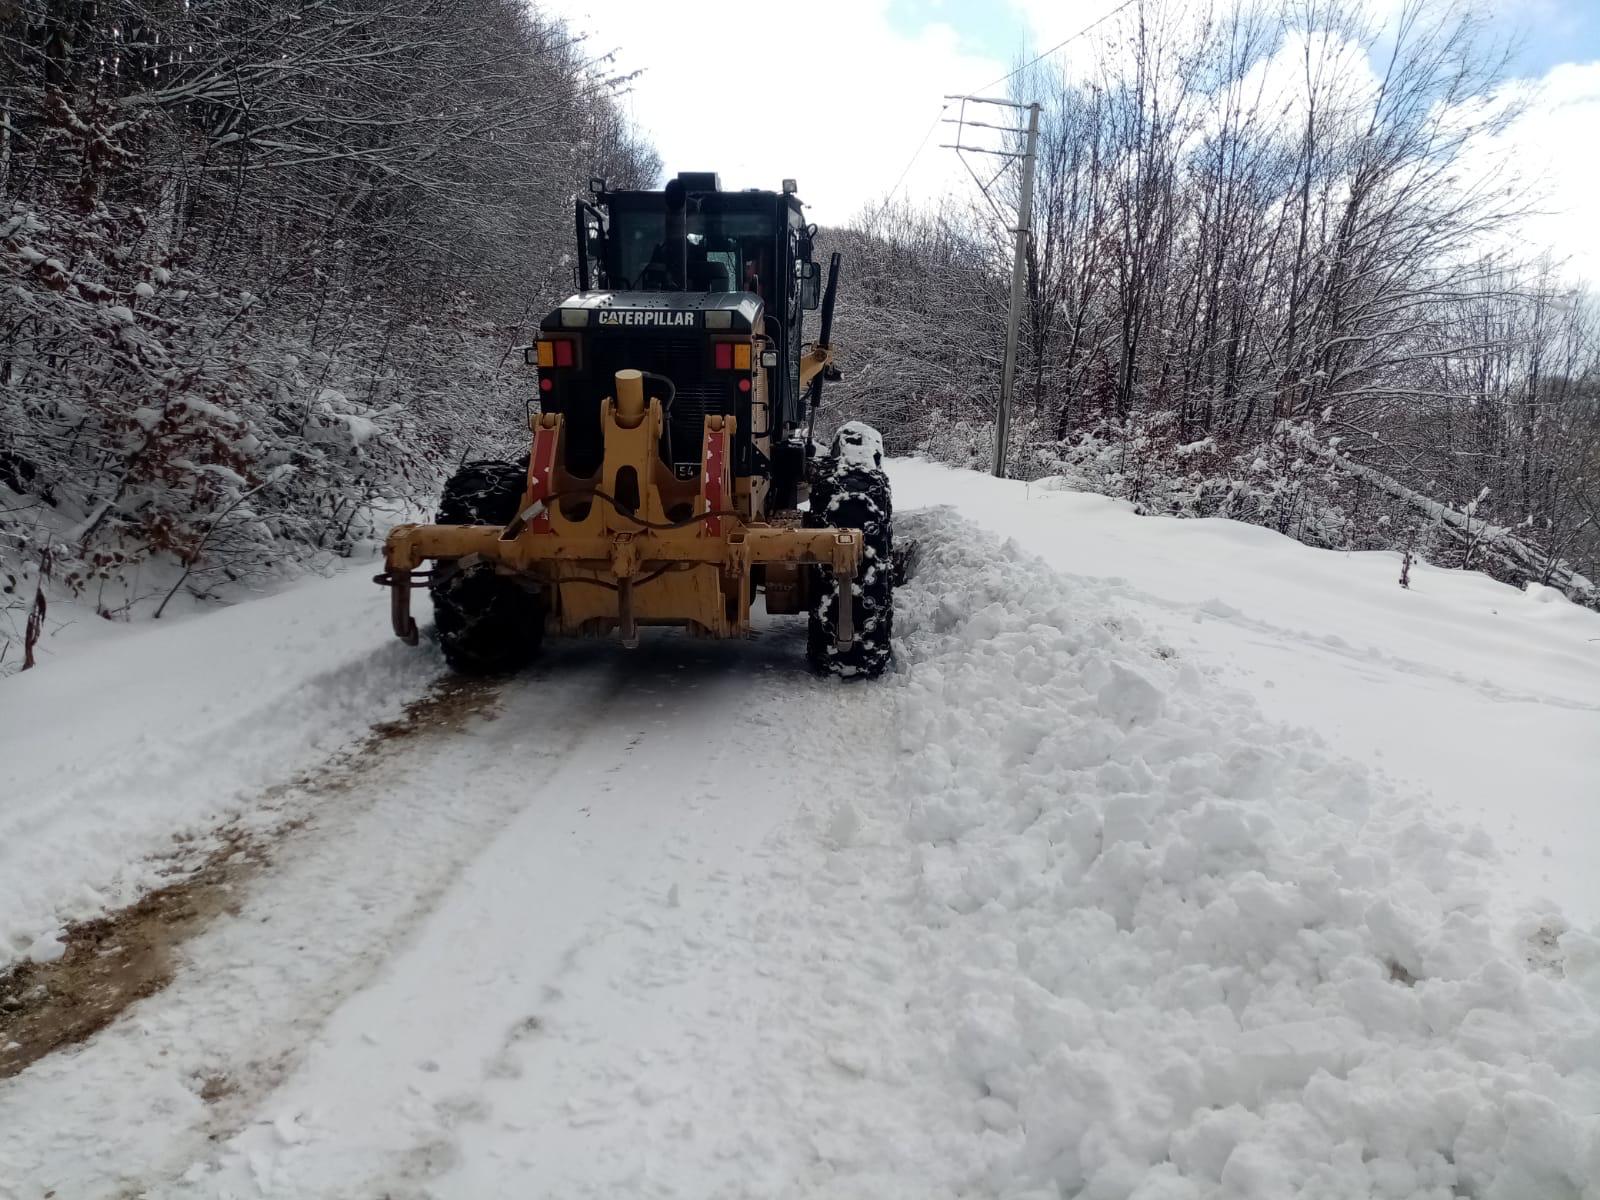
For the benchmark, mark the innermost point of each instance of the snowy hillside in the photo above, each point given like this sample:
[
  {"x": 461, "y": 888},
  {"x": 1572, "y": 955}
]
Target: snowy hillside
[{"x": 1172, "y": 860}]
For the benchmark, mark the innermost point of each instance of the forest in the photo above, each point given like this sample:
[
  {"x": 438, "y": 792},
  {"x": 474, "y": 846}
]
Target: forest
[
  {"x": 1264, "y": 283},
  {"x": 264, "y": 267}
]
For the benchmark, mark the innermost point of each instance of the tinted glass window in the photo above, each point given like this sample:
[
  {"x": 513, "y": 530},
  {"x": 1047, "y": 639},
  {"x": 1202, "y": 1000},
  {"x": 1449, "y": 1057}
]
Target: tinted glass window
[{"x": 728, "y": 252}]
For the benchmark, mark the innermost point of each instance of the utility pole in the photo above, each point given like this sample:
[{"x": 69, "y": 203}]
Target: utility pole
[
  {"x": 1008, "y": 372},
  {"x": 1022, "y": 231}
]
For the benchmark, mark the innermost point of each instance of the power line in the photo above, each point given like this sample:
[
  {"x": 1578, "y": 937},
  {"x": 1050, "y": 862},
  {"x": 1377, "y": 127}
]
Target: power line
[
  {"x": 915, "y": 154},
  {"x": 923, "y": 144},
  {"x": 1041, "y": 57}
]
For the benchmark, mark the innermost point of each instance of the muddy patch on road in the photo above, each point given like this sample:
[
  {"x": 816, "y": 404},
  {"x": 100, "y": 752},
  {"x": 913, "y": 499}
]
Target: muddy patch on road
[
  {"x": 114, "y": 960},
  {"x": 110, "y": 962}
]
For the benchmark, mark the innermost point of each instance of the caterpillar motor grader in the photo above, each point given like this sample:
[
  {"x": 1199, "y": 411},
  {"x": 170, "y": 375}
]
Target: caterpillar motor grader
[{"x": 671, "y": 453}]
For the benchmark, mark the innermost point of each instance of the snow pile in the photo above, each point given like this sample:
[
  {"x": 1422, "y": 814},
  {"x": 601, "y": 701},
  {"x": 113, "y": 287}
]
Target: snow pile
[
  {"x": 141, "y": 745},
  {"x": 1090, "y": 926},
  {"x": 1160, "y": 949},
  {"x": 1457, "y": 686}
]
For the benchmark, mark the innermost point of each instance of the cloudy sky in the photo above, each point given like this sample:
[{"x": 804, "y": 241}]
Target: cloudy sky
[{"x": 865, "y": 78}]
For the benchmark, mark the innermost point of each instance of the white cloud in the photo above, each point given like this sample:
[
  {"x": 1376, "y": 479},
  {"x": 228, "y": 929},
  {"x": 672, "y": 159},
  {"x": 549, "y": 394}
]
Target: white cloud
[
  {"x": 1551, "y": 146},
  {"x": 843, "y": 115}
]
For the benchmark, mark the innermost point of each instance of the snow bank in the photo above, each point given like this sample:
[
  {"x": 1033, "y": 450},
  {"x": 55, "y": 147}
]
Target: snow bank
[
  {"x": 137, "y": 744},
  {"x": 1460, "y": 688},
  {"x": 1172, "y": 950}
]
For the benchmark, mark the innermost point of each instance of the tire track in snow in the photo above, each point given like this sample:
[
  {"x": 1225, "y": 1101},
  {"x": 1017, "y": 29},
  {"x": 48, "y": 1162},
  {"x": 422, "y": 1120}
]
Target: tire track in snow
[
  {"x": 527, "y": 970},
  {"x": 365, "y": 852}
]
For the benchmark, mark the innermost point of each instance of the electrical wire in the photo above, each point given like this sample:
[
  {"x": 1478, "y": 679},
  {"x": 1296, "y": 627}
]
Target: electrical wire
[
  {"x": 1064, "y": 41},
  {"x": 666, "y": 408},
  {"x": 944, "y": 108},
  {"x": 911, "y": 162}
]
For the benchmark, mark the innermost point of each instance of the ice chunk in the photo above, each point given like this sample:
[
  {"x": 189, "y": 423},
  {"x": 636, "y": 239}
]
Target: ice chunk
[
  {"x": 1130, "y": 699},
  {"x": 46, "y": 948}
]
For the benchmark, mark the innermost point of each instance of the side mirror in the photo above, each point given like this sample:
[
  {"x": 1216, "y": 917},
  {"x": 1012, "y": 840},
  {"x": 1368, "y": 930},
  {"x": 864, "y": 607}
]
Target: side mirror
[
  {"x": 591, "y": 230},
  {"x": 810, "y": 278}
]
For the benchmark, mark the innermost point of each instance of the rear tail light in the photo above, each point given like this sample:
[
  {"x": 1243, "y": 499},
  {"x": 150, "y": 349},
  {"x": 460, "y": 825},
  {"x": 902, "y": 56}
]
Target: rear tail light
[
  {"x": 731, "y": 356},
  {"x": 557, "y": 352}
]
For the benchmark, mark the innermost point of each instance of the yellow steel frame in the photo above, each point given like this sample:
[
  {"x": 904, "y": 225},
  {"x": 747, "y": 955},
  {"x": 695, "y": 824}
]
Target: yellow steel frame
[{"x": 632, "y": 545}]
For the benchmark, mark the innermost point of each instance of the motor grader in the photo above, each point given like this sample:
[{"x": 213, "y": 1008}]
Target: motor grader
[{"x": 672, "y": 454}]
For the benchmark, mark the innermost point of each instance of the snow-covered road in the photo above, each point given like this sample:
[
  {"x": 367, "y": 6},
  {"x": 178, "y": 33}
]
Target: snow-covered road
[
  {"x": 1060, "y": 908},
  {"x": 452, "y": 877}
]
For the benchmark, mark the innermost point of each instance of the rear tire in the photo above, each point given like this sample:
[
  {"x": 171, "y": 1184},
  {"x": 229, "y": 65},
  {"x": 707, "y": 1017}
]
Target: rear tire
[
  {"x": 854, "y": 497},
  {"x": 487, "y": 623}
]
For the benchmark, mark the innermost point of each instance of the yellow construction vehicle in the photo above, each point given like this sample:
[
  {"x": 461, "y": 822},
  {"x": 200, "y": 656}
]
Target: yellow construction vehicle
[{"x": 671, "y": 453}]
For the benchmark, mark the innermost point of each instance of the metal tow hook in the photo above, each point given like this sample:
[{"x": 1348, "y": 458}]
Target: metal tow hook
[{"x": 405, "y": 625}]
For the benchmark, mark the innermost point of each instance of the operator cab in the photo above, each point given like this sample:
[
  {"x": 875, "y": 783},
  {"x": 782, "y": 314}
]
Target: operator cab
[
  {"x": 729, "y": 247},
  {"x": 664, "y": 277}
]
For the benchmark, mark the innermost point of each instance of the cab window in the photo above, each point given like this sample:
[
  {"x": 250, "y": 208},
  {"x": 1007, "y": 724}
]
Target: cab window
[{"x": 727, "y": 252}]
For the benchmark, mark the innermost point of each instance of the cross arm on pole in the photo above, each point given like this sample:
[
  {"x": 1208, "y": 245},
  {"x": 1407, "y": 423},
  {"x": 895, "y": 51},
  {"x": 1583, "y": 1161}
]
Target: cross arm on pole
[
  {"x": 981, "y": 125},
  {"x": 980, "y": 150},
  {"x": 991, "y": 100}
]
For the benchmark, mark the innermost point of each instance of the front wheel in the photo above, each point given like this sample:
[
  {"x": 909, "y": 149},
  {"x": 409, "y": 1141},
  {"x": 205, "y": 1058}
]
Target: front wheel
[
  {"x": 487, "y": 623},
  {"x": 854, "y": 496}
]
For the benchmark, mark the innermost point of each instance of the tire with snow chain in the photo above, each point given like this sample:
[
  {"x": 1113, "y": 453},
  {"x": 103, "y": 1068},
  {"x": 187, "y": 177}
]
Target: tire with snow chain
[
  {"x": 487, "y": 623},
  {"x": 484, "y": 492},
  {"x": 848, "y": 496}
]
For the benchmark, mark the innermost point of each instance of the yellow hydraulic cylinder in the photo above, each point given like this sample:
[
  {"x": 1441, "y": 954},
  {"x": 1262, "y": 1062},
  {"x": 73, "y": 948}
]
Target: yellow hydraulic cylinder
[{"x": 630, "y": 399}]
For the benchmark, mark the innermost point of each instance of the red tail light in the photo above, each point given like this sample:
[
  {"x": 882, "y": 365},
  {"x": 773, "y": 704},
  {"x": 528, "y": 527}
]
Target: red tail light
[
  {"x": 724, "y": 356},
  {"x": 563, "y": 347}
]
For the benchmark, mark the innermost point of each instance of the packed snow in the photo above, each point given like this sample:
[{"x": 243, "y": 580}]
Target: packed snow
[{"x": 1145, "y": 875}]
